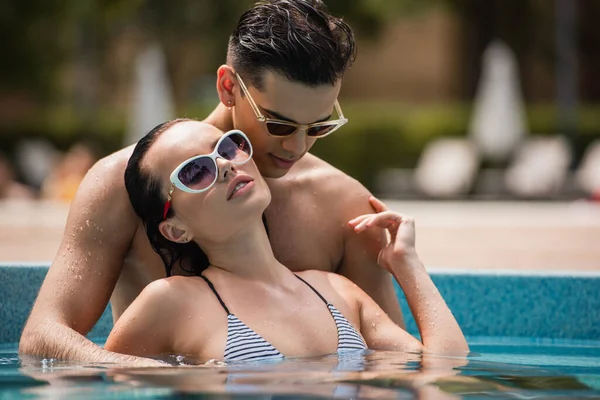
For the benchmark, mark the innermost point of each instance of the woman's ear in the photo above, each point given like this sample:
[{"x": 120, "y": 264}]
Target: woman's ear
[
  {"x": 174, "y": 232},
  {"x": 226, "y": 81}
]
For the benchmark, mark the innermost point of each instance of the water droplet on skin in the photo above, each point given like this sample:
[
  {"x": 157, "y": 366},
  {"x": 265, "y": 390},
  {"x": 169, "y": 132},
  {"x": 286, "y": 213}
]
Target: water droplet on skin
[
  {"x": 68, "y": 247},
  {"x": 87, "y": 222},
  {"x": 189, "y": 317}
]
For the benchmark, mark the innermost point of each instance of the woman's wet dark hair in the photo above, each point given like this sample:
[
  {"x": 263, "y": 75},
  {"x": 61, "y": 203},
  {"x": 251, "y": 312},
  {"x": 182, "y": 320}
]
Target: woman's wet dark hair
[
  {"x": 298, "y": 39},
  {"x": 148, "y": 197}
]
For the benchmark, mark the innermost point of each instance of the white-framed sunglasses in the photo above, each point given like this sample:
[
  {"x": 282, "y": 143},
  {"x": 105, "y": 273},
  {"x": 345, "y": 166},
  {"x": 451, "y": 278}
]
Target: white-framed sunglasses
[{"x": 199, "y": 173}]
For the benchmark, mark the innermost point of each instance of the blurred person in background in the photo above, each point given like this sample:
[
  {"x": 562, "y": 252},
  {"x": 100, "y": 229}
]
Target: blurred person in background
[
  {"x": 285, "y": 62},
  {"x": 62, "y": 182},
  {"x": 9, "y": 187}
]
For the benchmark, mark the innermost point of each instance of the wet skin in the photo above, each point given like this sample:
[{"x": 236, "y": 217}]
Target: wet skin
[
  {"x": 105, "y": 254},
  {"x": 181, "y": 315}
]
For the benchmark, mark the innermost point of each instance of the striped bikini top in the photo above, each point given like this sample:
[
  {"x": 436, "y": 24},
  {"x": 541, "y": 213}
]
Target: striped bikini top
[{"x": 244, "y": 344}]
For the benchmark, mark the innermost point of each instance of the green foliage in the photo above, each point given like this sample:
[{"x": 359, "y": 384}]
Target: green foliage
[
  {"x": 35, "y": 39},
  {"x": 41, "y": 35}
]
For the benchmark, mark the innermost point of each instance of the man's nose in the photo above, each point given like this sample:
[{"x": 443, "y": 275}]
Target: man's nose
[{"x": 296, "y": 143}]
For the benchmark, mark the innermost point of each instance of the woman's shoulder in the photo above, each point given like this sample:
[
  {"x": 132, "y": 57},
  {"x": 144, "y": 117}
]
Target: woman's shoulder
[
  {"x": 330, "y": 284},
  {"x": 175, "y": 289}
]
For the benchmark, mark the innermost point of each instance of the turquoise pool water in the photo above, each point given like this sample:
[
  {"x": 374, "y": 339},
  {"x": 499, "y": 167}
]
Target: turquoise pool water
[
  {"x": 498, "y": 311},
  {"x": 516, "y": 368}
]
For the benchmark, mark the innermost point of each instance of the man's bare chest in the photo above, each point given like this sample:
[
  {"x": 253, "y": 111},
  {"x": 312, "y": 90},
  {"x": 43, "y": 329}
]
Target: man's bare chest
[{"x": 303, "y": 239}]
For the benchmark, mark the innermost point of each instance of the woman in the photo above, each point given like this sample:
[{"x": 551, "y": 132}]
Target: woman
[{"x": 202, "y": 199}]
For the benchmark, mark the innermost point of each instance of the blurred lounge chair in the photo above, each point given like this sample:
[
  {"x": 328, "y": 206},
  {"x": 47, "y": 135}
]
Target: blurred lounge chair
[
  {"x": 587, "y": 176},
  {"x": 540, "y": 168},
  {"x": 395, "y": 183},
  {"x": 447, "y": 168}
]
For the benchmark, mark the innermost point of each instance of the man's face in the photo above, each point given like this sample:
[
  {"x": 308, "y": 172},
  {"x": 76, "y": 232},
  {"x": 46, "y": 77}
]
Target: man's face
[{"x": 285, "y": 100}]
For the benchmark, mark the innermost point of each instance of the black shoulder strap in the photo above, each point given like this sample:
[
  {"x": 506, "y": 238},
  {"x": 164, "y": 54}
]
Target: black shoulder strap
[
  {"x": 212, "y": 287},
  {"x": 313, "y": 289}
]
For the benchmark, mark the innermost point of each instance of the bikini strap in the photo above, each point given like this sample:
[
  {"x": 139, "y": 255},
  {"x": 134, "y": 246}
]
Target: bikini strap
[
  {"x": 313, "y": 289},
  {"x": 212, "y": 287}
]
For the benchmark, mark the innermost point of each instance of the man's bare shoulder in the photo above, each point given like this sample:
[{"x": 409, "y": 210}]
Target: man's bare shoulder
[
  {"x": 332, "y": 186},
  {"x": 102, "y": 203},
  {"x": 317, "y": 173},
  {"x": 110, "y": 170}
]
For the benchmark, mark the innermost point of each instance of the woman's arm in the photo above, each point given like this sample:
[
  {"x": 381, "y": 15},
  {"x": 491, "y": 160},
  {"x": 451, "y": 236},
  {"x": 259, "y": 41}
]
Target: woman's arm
[
  {"x": 439, "y": 330},
  {"x": 147, "y": 325}
]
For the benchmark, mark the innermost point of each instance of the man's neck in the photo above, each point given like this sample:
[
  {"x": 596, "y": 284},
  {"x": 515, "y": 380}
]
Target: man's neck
[{"x": 220, "y": 118}]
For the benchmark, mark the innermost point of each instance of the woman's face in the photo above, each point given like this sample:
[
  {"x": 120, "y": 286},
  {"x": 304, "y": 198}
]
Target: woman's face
[{"x": 239, "y": 194}]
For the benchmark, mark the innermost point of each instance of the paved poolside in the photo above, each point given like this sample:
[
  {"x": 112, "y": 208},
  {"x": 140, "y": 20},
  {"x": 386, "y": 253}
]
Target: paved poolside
[{"x": 541, "y": 236}]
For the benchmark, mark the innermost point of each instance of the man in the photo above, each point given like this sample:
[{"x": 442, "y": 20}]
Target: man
[{"x": 285, "y": 62}]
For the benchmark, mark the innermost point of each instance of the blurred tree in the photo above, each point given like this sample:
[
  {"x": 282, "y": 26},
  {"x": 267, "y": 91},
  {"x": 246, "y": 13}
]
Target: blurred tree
[
  {"x": 43, "y": 34},
  {"x": 36, "y": 36}
]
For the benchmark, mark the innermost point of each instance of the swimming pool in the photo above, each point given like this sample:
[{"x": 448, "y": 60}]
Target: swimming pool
[{"x": 532, "y": 336}]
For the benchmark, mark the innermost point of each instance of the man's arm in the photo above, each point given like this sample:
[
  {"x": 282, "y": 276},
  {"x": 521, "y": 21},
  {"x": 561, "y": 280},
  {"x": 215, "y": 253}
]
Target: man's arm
[
  {"x": 359, "y": 263},
  {"x": 79, "y": 283}
]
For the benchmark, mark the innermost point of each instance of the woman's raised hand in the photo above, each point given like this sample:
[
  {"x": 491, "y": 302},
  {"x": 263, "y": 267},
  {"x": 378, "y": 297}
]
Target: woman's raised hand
[{"x": 400, "y": 229}]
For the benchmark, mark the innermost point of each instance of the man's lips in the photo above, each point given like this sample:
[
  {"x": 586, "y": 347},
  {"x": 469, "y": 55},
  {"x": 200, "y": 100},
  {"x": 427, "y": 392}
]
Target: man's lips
[
  {"x": 282, "y": 162},
  {"x": 236, "y": 181}
]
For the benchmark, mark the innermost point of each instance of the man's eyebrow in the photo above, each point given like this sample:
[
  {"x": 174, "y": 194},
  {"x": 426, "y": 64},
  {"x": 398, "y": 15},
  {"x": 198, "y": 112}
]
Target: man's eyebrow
[{"x": 281, "y": 117}]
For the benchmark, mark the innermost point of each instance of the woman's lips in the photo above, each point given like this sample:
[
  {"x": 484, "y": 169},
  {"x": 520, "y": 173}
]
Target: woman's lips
[{"x": 243, "y": 190}]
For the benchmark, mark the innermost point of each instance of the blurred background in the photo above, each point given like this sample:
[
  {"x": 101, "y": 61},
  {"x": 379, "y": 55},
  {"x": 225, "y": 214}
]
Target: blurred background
[
  {"x": 467, "y": 100},
  {"x": 449, "y": 98}
]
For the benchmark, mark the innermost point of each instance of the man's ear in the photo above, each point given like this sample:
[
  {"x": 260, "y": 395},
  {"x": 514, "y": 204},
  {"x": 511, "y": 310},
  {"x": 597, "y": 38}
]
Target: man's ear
[
  {"x": 174, "y": 232},
  {"x": 226, "y": 81}
]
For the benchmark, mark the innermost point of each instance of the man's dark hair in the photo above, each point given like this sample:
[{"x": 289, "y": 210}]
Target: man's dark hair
[{"x": 297, "y": 39}]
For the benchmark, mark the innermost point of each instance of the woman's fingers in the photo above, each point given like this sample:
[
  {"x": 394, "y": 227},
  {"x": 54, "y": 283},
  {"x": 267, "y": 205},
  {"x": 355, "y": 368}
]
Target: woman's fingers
[
  {"x": 359, "y": 219},
  {"x": 364, "y": 224},
  {"x": 382, "y": 220},
  {"x": 377, "y": 204}
]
